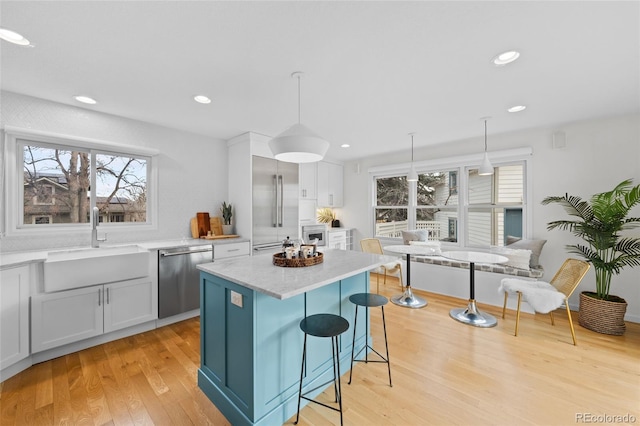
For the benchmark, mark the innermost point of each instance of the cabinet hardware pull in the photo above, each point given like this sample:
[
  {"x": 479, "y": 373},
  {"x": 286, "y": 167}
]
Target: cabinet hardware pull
[
  {"x": 99, "y": 297},
  {"x": 178, "y": 253},
  {"x": 108, "y": 298}
]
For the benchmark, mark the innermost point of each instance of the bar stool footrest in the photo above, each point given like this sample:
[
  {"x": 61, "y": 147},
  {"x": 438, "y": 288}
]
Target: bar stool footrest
[{"x": 383, "y": 360}]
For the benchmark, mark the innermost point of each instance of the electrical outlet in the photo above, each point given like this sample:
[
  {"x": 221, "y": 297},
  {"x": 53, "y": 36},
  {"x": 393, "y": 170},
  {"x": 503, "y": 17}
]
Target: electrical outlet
[{"x": 236, "y": 299}]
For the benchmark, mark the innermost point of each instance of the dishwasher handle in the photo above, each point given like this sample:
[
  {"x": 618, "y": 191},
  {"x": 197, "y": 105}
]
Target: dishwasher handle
[
  {"x": 178, "y": 253},
  {"x": 267, "y": 247}
]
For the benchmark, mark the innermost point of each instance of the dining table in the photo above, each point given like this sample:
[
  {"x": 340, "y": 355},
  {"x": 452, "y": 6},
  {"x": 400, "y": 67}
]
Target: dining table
[
  {"x": 471, "y": 315},
  {"x": 408, "y": 299}
]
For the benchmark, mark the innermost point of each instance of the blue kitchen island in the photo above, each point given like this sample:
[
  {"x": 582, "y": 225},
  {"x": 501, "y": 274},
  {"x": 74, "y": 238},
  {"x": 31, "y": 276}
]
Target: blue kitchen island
[{"x": 251, "y": 342}]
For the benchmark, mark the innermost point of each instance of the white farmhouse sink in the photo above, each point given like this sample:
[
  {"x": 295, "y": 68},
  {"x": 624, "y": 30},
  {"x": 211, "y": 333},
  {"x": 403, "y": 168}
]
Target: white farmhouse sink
[{"x": 69, "y": 269}]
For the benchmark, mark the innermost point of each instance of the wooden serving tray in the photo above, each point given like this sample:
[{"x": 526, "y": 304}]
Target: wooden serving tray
[{"x": 280, "y": 259}]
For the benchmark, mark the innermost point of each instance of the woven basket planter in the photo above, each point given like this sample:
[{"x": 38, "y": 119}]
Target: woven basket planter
[{"x": 602, "y": 316}]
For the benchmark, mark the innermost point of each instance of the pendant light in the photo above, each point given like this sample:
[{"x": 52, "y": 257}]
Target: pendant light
[
  {"x": 486, "y": 168},
  {"x": 413, "y": 175},
  {"x": 298, "y": 144}
]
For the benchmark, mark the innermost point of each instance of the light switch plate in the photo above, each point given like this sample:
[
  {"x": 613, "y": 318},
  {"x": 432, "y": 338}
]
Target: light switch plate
[{"x": 236, "y": 299}]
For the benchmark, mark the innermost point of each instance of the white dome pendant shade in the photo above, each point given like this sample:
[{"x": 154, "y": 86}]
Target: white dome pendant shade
[
  {"x": 486, "y": 168},
  {"x": 298, "y": 144}
]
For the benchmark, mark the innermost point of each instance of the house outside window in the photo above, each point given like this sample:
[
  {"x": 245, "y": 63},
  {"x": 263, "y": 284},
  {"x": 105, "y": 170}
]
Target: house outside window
[
  {"x": 437, "y": 204},
  {"x": 490, "y": 200},
  {"x": 453, "y": 183},
  {"x": 41, "y": 220},
  {"x": 455, "y": 204},
  {"x": 52, "y": 182},
  {"x": 44, "y": 195},
  {"x": 120, "y": 183}
]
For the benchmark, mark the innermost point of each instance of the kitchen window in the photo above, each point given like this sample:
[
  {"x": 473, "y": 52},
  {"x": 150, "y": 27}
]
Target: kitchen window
[
  {"x": 437, "y": 204},
  {"x": 454, "y": 203},
  {"x": 54, "y": 183},
  {"x": 392, "y": 206},
  {"x": 495, "y": 205}
]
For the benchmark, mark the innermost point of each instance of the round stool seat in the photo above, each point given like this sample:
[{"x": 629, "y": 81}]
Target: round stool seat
[
  {"x": 324, "y": 325},
  {"x": 368, "y": 299}
]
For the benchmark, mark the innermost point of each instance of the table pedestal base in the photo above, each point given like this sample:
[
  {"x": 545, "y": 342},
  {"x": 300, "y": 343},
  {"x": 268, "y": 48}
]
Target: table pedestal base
[
  {"x": 408, "y": 300},
  {"x": 472, "y": 316}
]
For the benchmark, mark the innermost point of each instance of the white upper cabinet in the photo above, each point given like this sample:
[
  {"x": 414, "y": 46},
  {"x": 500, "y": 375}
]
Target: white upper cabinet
[
  {"x": 308, "y": 175},
  {"x": 330, "y": 185}
]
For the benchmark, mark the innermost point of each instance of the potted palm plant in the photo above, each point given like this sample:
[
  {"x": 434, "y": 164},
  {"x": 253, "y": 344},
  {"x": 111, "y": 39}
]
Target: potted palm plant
[
  {"x": 227, "y": 213},
  {"x": 600, "y": 222}
]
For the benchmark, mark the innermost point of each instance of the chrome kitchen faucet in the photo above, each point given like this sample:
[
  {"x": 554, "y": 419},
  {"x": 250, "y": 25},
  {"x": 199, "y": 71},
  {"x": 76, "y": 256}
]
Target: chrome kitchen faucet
[{"x": 95, "y": 241}]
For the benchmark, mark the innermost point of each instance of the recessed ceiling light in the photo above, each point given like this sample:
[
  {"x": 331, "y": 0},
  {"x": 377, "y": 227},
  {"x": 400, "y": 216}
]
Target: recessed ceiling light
[
  {"x": 85, "y": 99},
  {"x": 202, "y": 99},
  {"x": 517, "y": 108},
  {"x": 345, "y": 145},
  {"x": 505, "y": 58},
  {"x": 13, "y": 37}
]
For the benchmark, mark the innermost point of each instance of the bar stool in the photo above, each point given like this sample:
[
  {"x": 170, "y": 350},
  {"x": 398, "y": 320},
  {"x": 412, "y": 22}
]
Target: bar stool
[
  {"x": 323, "y": 325},
  {"x": 369, "y": 300}
]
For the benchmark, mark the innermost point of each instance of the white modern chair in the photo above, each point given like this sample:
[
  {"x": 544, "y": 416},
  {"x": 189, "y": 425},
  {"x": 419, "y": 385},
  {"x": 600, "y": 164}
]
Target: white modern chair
[
  {"x": 372, "y": 245},
  {"x": 546, "y": 297}
]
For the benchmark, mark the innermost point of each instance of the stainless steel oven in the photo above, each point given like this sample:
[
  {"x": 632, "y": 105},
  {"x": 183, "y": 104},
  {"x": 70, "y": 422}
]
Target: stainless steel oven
[{"x": 311, "y": 232}]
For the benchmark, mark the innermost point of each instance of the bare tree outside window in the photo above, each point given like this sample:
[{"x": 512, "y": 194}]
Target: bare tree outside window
[
  {"x": 121, "y": 188},
  {"x": 57, "y": 184}
]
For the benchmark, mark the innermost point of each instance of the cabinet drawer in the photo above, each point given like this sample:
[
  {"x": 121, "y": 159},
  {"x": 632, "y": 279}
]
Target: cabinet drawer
[
  {"x": 221, "y": 251},
  {"x": 337, "y": 236}
]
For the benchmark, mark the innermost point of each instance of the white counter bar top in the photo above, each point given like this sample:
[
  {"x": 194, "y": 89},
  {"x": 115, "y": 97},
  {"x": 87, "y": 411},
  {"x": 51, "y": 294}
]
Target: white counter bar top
[
  {"x": 12, "y": 259},
  {"x": 260, "y": 274},
  {"x": 157, "y": 245}
]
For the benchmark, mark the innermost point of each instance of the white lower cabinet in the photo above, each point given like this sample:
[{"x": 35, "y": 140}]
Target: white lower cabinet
[
  {"x": 14, "y": 315},
  {"x": 337, "y": 240},
  {"x": 73, "y": 315},
  {"x": 222, "y": 251},
  {"x": 129, "y": 303}
]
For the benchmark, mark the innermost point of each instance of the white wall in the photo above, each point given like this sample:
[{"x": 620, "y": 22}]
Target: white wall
[
  {"x": 192, "y": 168},
  {"x": 598, "y": 155}
]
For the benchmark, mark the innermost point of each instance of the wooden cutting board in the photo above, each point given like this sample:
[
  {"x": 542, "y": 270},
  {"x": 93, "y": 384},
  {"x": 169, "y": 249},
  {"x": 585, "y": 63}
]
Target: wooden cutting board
[
  {"x": 216, "y": 229},
  {"x": 218, "y": 237}
]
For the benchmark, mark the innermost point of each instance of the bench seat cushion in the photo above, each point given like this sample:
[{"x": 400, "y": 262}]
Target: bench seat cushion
[{"x": 537, "y": 272}]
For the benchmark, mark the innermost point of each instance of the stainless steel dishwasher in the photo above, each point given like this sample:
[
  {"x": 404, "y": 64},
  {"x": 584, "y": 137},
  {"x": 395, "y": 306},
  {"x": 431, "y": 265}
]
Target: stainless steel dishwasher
[{"x": 179, "y": 279}]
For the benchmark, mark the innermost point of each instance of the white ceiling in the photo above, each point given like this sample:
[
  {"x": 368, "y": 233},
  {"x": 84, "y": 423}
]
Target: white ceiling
[{"x": 374, "y": 71}]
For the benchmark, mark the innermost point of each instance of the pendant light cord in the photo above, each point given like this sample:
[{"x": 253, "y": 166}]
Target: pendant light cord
[
  {"x": 411, "y": 149},
  {"x": 485, "y": 135},
  {"x": 299, "y": 99}
]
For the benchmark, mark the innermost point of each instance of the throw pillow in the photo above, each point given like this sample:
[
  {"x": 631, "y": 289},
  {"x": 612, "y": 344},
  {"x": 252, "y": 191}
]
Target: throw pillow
[
  {"x": 417, "y": 235},
  {"x": 534, "y": 245},
  {"x": 517, "y": 258}
]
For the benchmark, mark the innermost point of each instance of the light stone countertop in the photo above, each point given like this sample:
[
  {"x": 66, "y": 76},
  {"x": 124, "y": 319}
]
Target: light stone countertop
[
  {"x": 14, "y": 259},
  {"x": 258, "y": 272}
]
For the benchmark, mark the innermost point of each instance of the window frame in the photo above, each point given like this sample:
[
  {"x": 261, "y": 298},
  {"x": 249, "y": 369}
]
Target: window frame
[
  {"x": 462, "y": 164},
  {"x": 13, "y": 178}
]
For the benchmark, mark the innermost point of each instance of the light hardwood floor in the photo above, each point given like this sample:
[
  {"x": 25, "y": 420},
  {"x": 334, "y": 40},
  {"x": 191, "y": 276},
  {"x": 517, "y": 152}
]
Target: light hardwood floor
[{"x": 444, "y": 373}]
